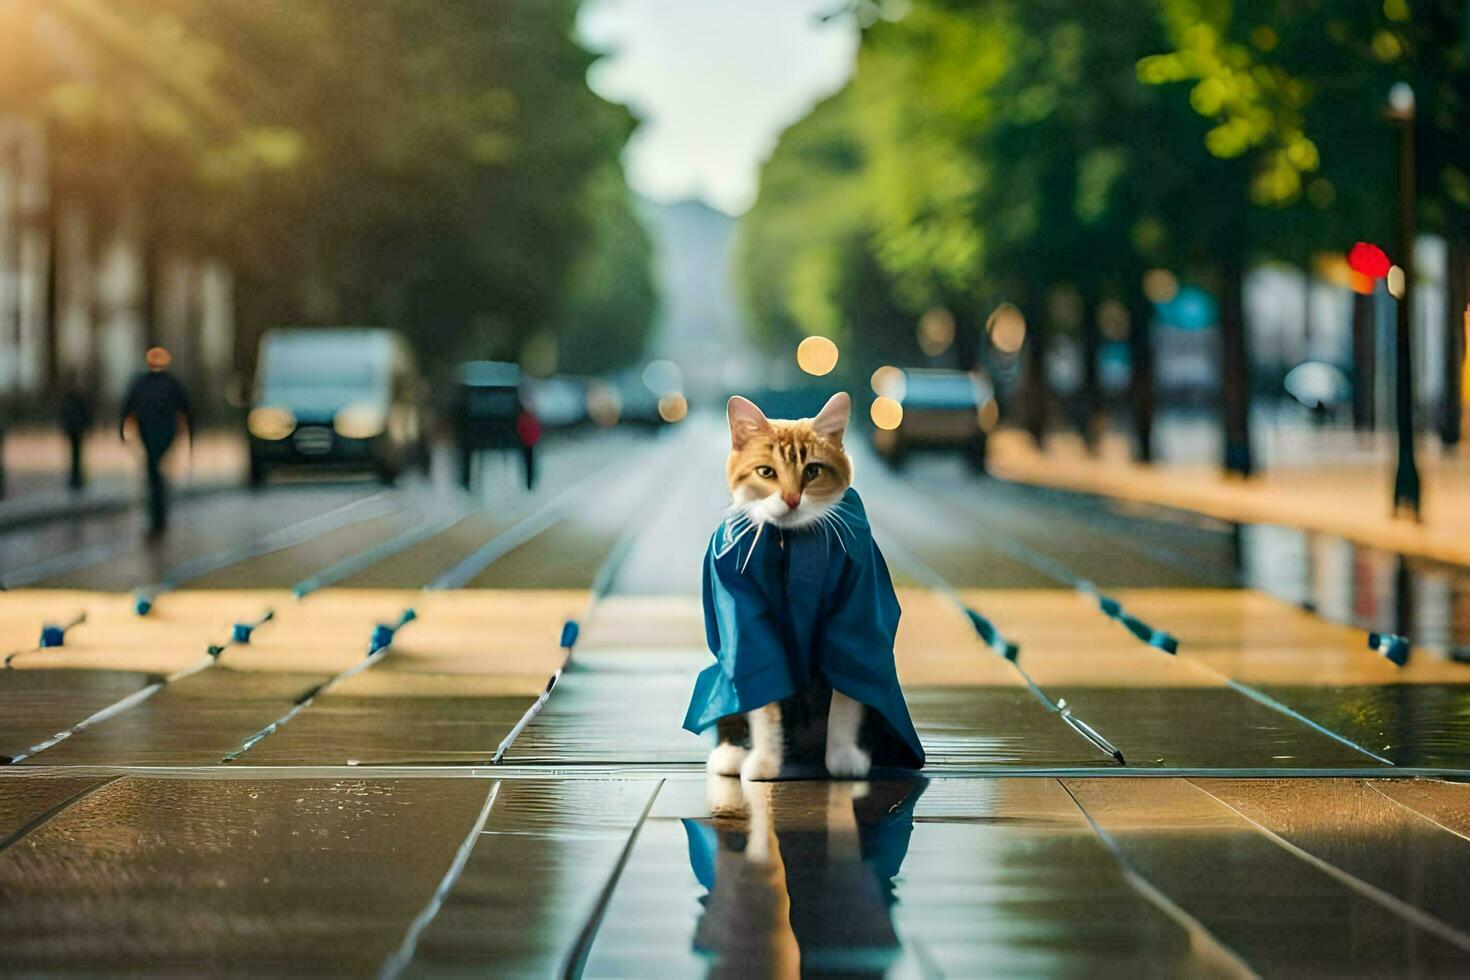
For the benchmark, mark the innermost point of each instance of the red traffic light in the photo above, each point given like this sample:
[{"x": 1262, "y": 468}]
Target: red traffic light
[{"x": 1369, "y": 260}]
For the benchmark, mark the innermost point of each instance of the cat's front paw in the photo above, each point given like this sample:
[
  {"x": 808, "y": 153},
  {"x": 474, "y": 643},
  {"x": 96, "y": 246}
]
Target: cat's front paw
[
  {"x": 848, "y": 762},
  {"x": 726, "y": 759},
  {"x": 760, "y": 766}
]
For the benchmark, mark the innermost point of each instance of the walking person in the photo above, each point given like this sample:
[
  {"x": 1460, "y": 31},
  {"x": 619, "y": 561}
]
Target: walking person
[
  {"x": 156, "y": 403},
  {"x": 75, "y": 417}
]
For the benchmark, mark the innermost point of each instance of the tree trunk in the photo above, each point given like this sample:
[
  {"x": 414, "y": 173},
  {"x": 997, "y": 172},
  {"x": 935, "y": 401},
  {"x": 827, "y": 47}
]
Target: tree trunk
[
  {"x": 1141, "y": 380},
  {"x": 966, "y": 337},
  {"x": 1235, "y": 381},
  {"x": 1035, "y": 387},
  {"x": 1451, "y": 403},
  {"x": 1091, "y": 393},
  {"x": 52, "y": 328}
]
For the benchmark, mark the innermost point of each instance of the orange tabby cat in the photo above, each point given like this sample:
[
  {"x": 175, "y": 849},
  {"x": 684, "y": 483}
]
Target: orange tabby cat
[{"x": 789, "y": 474}]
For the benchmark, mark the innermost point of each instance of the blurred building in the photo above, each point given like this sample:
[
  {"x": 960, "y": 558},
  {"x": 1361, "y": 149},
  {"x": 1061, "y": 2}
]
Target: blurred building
[
  {"x": 83, "y": 289},
  {"x": 25, "y": 257},
  {"x": 698, "y": 324},
  {"x": 79, "y": 303}
]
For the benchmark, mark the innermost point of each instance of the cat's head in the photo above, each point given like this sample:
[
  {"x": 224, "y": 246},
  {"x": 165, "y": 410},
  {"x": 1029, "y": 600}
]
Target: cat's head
[{"x": 787, "y": 473}]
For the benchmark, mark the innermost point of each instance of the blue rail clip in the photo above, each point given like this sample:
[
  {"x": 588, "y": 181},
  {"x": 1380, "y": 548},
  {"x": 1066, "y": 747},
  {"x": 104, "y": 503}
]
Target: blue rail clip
[
  {"x": 242, "y": 631},
  {"x": 383, "y": 633},
  {"x": 992, "y": 636},
  {"x": 569, "y": 632},
  {"x": 1390, "y": 646},
  {"x": 1164, "y": 641},
  {"x": 53, "y": 635}
]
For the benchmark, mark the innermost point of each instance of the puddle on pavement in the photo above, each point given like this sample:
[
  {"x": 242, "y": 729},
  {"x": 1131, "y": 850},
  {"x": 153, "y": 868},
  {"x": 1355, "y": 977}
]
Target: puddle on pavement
[
  {"x": 1340, "y": 580},
  {"x": 999, "y": 877},
  {"x": 534, "y": 878},
  {"x": 1408, "y": 724},
  {"x": 995, "y": 726},
  {"x": 1350, "y": 583},
  {"x": 1206, "y": 727}
]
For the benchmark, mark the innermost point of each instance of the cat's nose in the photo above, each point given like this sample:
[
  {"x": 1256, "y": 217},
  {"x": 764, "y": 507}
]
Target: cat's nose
[{"x": 791, "y": 499}]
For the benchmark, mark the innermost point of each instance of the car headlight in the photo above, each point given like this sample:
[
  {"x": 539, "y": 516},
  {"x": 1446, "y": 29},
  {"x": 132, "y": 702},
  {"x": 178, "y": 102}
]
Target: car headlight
[
  {"x": 360, "y": 422},
  {"x": 988, "y": 415},
  {"x": 270, "y": 424}
]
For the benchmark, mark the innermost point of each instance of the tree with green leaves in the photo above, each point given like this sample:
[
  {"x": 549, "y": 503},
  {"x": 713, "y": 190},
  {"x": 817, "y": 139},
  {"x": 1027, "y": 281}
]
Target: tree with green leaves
[{"x": 438, "y": 167}]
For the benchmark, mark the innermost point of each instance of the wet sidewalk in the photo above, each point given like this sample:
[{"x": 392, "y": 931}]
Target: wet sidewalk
[
  {"x": 1301, "y": 489},
  {"x": 279, "y": 802},
  {"x": 442, "y": 781}
]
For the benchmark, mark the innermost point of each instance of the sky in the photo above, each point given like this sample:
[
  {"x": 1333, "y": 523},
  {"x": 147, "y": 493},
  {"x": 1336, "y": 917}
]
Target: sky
[{"x": 714, "y": 83}]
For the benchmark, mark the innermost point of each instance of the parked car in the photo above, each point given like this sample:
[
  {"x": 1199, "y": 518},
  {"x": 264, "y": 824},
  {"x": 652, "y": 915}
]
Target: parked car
[
  {"x": 490, "y": 413},
  {"x": 336, "y": 397},
  {"x": 945, "y": 411}
]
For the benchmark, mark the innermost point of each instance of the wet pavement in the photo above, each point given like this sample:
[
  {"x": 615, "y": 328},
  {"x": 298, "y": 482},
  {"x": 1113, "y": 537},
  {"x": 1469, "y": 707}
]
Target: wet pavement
[{"x": 403, "y": 761}]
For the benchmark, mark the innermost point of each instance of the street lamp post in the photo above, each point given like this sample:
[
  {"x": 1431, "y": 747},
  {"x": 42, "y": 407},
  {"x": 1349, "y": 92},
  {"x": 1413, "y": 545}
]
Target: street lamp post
[{"x": 1406, "y": 474}]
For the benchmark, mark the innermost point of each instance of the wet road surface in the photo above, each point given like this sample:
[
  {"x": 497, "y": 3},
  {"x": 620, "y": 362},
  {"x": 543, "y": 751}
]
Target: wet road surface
[{"x": 354, "y": 735}]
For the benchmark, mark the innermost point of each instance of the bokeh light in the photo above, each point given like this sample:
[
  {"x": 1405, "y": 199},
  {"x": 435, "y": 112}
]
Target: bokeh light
[
  {"x": 1112, "y": 319},
  {"x": 270, "y": 423},
  {"x": 663, "y": 377},
  {"x": 1360, "y": 283},
  {"x": 1064, "y": 306},
  {"x": 1160, "y": 285},
  {"x": 604, "y": 404},
  {"x": 816, "y": 355},
  {"x": 1368, "y": 259},
  {"x": 936, "y": 331},
  {"x": 539, "y": 356},
  {"x": 673, "y": 407},
  {"x": 890, "y": 382},
  {"x": 887, "y": 413},
  {"x": 1396, "y": 281},
  {"x": 989, "y": 415},
  {"x": 1007, "y": 328},
  {"x": 1333, "y": 267}
]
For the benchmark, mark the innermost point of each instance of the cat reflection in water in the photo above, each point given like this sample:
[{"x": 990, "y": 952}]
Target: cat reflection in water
[
  {"x": 799, "y": 876},
  {"x": 800, "y": 612}
]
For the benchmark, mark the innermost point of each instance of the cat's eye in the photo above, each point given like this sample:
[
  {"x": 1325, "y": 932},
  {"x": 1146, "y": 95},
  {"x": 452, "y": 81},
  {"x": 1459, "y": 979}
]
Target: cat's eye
[
  {"x": 765, "y": 472},
  {"x": 813, "y": 470}
]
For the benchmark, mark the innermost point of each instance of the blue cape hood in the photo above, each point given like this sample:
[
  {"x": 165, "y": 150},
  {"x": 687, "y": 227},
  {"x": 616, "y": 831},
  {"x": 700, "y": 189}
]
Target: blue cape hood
[{"x": 789, "y": 610}]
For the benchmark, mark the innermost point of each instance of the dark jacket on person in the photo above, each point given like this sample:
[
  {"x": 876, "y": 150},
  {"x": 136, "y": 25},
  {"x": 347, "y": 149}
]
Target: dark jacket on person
[
  {"x": 75, "y": 414},
  {"x": 156, "y": 400}
]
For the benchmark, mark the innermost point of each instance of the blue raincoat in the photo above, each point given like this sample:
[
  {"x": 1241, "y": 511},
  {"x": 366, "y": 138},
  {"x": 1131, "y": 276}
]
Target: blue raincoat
[{"x": 787, "y": 611}]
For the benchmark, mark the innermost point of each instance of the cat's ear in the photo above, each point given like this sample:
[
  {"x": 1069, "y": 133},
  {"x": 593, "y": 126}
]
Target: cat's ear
[
  {"x": 831, "y": 421},
  {"x": 745, "y": 420}
]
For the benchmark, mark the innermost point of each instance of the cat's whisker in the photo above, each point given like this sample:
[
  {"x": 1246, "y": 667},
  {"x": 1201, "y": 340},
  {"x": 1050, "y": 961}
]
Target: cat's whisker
[
  {"x": 833, "y": 518},
  {"x": 826, "y": 532},
  {"x": 843, "y": 521}
]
